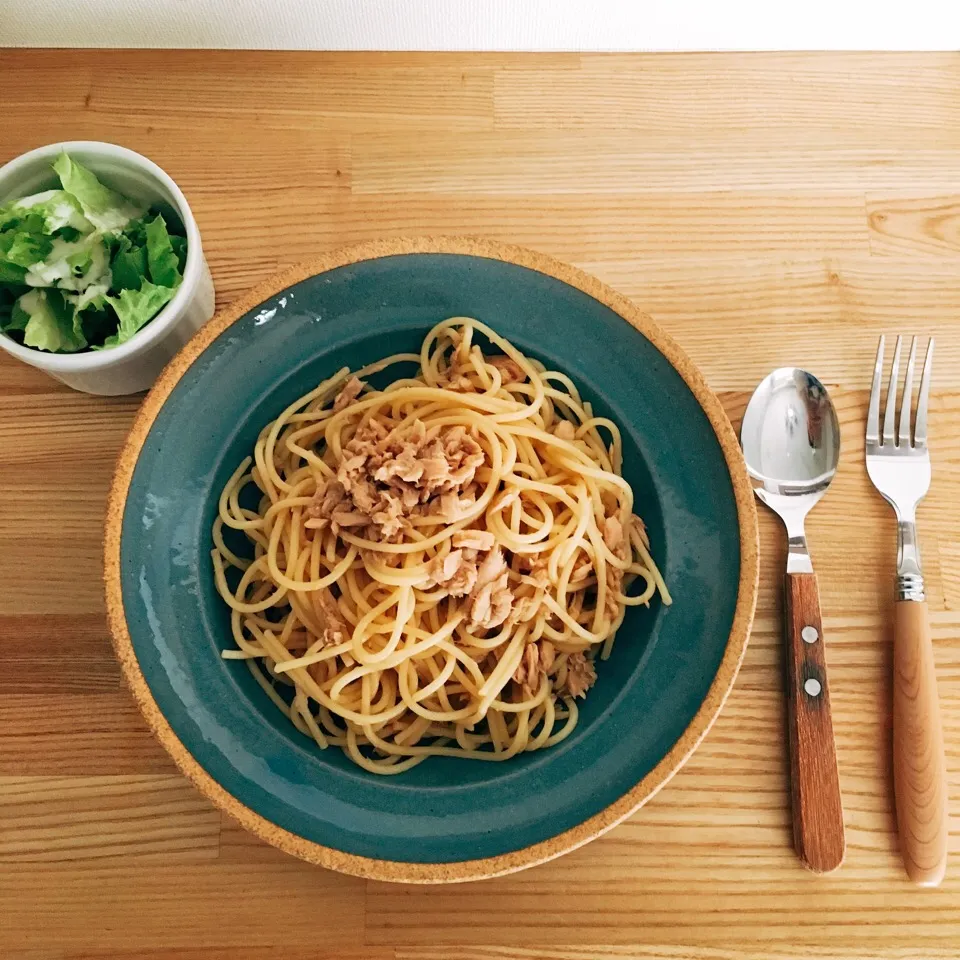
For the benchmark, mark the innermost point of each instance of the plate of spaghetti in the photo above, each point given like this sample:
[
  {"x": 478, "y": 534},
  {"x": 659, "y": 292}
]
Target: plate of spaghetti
[{"x": 431, "y": 560}]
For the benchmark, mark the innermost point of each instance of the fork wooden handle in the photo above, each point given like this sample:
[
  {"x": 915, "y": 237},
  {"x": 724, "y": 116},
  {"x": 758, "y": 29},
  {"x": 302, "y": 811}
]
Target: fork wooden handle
[
  {"x": 818, "y": 833},
  {"x": 919, "y": 764}
]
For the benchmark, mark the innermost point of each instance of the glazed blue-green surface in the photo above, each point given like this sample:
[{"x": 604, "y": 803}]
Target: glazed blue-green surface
[{"x": 444, "y": 809}]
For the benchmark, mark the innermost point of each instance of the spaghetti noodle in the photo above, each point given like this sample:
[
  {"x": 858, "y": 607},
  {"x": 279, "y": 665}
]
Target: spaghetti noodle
[{"x": 436, "y": 565}]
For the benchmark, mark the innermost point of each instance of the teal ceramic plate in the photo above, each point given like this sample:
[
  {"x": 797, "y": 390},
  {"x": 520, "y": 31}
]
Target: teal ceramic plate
[{"x": 446, "y": 819}]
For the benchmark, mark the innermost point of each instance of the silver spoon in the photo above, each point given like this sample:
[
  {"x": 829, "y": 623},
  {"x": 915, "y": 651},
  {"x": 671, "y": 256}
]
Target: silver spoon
[{"x": 791, "y": 442}]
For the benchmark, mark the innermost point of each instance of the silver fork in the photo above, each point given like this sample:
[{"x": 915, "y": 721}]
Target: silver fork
[{"x": 898, "y": 463}]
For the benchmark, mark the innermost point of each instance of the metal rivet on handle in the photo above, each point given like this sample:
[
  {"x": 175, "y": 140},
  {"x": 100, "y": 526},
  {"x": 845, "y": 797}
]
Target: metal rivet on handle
[
  {"x": 809, "y": 634},
  {"x": 812, "y": 687}
]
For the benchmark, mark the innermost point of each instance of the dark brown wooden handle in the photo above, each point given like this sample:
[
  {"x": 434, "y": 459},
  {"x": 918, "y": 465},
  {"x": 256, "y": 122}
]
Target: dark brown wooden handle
[
  {"x": 818, "y": 833},
  {"x": 919, "y": 763}
]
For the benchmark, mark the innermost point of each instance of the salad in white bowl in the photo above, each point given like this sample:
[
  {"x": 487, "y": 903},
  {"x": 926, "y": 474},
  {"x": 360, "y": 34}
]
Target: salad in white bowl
[{"x": 82, "y": 267}]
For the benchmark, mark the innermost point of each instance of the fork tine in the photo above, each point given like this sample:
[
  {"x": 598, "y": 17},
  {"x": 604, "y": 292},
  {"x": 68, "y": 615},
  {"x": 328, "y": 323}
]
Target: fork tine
[
  {"x": 873, "y": 412},
  {"x": 920, "y": 433},
  {"x": 903, "y": 435},
  {"x": 890, "y": 411}
]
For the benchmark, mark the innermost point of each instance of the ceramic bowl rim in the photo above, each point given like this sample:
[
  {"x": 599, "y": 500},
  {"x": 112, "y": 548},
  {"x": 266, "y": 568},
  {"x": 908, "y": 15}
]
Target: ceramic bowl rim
[{"x": 592, "y": 827}]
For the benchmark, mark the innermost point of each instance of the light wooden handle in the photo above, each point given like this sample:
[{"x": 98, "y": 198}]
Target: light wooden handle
[
  {"x": 818, "y": 833},
  {"x": 919, "y": 764}
]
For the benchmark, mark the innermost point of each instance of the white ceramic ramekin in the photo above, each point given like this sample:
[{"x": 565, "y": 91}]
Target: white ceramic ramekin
[{"x": 134, "y": 365}]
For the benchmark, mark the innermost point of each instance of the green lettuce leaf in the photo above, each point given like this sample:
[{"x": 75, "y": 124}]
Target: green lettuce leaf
[
  {"x": 18, "y": 319},
  {"x": 57, "y": 209},
  {"x": 106, "y": 209},
  {"x": 136, "y": 231},
  {"x": 9, "y": 294},
  {"x": 25, "y": 243},
  {"x": 161, "y": 258},
  {"x": 83, "y": 265},
  {"x": 11, "y": 272},
  {"x": 24, "y": 249},
  {"x": 179, "y": 245},
  {"x": 129, "y": 265},
  {"x": 135, "y": 308},
  {"x": 50, "y": 325}
]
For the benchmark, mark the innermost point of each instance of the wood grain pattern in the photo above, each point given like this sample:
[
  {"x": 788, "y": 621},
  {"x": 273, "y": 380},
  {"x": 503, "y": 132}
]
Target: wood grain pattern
[
  {"x": 62, "y": 819},
  {"x": 818, "y": 832},
  {"x": 783, "y": 208},
  {"x": 919, "y": 771}
]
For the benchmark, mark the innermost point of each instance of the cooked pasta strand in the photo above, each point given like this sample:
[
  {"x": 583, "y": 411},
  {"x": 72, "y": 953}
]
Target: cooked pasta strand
[{"x": 432, "y": 569}]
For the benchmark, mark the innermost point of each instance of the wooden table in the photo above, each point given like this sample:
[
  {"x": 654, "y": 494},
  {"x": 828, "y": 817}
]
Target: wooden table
[{"x": 766, "y": 210}]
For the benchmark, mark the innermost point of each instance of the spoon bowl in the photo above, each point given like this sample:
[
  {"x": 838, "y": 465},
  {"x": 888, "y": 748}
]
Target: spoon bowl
[{"x": 790, "y": 434}]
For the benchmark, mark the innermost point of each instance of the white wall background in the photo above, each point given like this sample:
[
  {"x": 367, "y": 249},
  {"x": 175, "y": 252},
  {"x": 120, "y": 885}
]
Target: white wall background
[{"x": 484, "y": 24}]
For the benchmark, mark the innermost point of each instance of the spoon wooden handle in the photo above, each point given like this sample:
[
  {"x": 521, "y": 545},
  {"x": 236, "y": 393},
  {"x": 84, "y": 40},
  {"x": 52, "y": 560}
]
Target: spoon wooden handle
[
  {"x": 919, "y": 764},
  {"x": 818, "y": 833}
]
